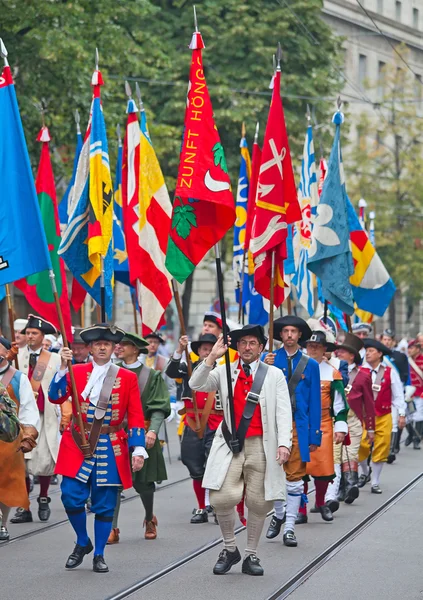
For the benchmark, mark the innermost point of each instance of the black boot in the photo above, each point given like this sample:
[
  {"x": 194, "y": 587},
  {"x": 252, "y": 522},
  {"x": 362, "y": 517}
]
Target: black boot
[
  {"x": 397, "y": 441},
  {"x": 341, "y": 491},
  {"x": 410, "y": 436},
  {"x": 416, "y": 443},
  {"x": 351, "y": 486}
]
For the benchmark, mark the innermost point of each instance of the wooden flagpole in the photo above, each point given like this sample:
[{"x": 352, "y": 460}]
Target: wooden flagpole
[
  {"x": 272, "y": 301},
  {"x": 85, "y": 447},
  {"x": 11, "y": 318},
  {"x": 188, "y": 358},
  {"x": 134, "y": 309}
]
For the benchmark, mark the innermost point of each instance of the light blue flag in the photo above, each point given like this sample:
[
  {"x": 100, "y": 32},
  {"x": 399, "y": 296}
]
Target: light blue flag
[
  {"x": 64, "y": 204},
  {"x": 329, "y": 256},
  {"x": 120, "y": 256},
  {"x": 308, "y": 197},
  {"x": 23, "y": 244}
]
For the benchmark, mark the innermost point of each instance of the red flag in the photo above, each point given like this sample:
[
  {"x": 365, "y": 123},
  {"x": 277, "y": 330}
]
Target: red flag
[
  {"x": 37, "y": 288},
  {"x": 78, "y": 295},
  {"x": 204, "y": 208},
  {"x": 276, "y": 204}
]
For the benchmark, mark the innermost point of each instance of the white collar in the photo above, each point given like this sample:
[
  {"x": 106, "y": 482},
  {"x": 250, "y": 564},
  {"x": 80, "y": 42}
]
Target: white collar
[
  {"x": 95, "y": 382},
  {"x": 351, "y": 367},
  {"x": 293, "y": 354},
  {"x": 132, "y": 365},
  {"x": 35, "y": 351},
  {"x": 253, "y": 366},
  {"x": 372, "y": 369}
]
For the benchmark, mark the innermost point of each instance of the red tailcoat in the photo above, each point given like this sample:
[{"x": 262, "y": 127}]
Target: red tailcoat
[{"x": 126, "y": 410}]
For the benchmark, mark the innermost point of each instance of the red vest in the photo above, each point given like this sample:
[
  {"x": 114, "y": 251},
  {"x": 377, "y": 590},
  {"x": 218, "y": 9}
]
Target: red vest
[
  {"x": 242, "y": 387},
  {"x": 383, "y": 401}
]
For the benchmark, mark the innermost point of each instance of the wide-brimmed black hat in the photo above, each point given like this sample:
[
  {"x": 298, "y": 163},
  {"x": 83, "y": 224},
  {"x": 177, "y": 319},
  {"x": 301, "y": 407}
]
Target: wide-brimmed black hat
[
  {"x": 138, "y": 341},
  {"x": 353, "y": 344},
  {"x": 256, "y": 330},
  {"x": 292, "y": 321},
  {"x": 371, "y": 343},
  {"x": 77, "y": 339},
  {"x": 102, "y": 332},
  {"x": 156, "y": 336},
  {"x": 44, "y": 326},
  {"x": 319, "y": 337},
  {"x": 4, "y": 342},
  {"x": 207, "y": 338}
]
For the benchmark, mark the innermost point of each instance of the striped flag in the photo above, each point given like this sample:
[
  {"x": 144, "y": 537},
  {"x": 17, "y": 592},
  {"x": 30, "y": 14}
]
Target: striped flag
[
  {"x": 88, "y": 236},
  {"x": 147, "y": 212},
  {"x": 241, "y": 208},
  {"x": 64, "y": 204},
  {"x": 303, "y": 279},
  {"x": 120, "y": 255}
]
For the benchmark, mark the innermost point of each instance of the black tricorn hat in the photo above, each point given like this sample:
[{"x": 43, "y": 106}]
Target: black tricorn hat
[
  {"x": 256, "y": 330},
  {"x": 156, "y": 336},
  {"x": 353, "y": 344},
  {"x": 292, "y": 321},
  {"x": 319, "y": 337},
  {"x": 77, "y": 339},
  {"x": 44, "y": 326},
  {"x": 371, "y": 343},
  {"x": 102, "y": 332},
  {"x": 4, "y": 342},
  {"x": 206, "y": 338},
  {"x": 136, "y": 340}
]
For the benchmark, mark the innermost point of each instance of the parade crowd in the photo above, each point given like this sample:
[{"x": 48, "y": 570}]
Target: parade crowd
[{"x": 324, "y": 408}]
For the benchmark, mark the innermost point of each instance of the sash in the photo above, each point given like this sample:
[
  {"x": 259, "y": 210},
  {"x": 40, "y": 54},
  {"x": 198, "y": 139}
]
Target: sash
[
  {"x": 351, "y": 379},
  {"x": 295, "y": 379},
  {"x": 39, "y": 370},
  {"x": 143, "y": 378},
  {"x": 417, "y": 369},
  {"x": 376, "y": 386}
]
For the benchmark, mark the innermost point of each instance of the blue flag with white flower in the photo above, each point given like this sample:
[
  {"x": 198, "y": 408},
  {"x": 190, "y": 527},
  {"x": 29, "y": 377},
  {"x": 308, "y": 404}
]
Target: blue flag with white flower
[{"x": 329, "y": 256}]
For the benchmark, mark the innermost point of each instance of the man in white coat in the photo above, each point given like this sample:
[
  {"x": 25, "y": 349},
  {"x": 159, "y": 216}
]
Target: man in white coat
[
  {"x": 40, "y": 366},
  {"x": 263, "y": 427}
]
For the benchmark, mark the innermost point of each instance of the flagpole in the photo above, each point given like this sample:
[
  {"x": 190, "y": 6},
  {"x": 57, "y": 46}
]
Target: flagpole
[
  {"x": 271, "y": 301},
  {"x": 85, "y": 447},
  {"x": 187, "y": 356},
  {"x": 134, "y": 308},
  {"x": 234, "y": 442},
  {"x": 102, "y": 292},
  {"x": 11, "y": 318}
]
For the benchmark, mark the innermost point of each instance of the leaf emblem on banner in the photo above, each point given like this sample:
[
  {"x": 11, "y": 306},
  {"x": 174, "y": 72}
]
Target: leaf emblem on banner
[
  {"x": 183, "y": 220},
  {"x": 219, "y": 157}
]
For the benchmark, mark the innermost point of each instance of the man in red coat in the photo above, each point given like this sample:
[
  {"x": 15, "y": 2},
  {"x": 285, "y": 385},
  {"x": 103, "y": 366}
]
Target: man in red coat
[
  {"x": 362, "y": 412},
  {"x": 109, "y": 398}
]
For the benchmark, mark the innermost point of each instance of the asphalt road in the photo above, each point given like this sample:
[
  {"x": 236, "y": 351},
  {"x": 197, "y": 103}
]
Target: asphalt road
[{"x": 34, "y": 566}]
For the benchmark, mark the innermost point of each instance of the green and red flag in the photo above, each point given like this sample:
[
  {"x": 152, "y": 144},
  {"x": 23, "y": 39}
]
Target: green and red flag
[
  {"x": 37, "y": 287},
  {"x": 203, "y": 208}
]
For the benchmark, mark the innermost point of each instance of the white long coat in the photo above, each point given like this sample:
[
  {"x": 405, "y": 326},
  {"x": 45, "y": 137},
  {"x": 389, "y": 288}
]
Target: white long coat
[
  {"x": 43, "y": 458},
  {"x": 276, "y": 418}
]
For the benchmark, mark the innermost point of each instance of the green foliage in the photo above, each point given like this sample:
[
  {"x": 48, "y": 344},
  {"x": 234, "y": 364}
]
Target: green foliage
[
  {"x": 183, "y": 219},
  {"x": 52, "y": 47},
  {"x": 385, "y": 168}
]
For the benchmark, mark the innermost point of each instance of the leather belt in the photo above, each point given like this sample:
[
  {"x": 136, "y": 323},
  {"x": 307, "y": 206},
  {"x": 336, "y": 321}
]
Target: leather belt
[{"x": 104, "y": 428}]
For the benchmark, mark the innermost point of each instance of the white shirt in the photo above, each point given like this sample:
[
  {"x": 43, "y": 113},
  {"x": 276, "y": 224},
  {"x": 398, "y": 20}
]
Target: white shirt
[
  {"x": 28, "y": 411},
  {"x": 253, "y": 366},
  {"x": 396, "y": 387}
]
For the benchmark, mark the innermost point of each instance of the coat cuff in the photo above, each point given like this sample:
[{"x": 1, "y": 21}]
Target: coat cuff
[
  {"x": 340, "y": 427},
  {"x": 136, "y": 437}
]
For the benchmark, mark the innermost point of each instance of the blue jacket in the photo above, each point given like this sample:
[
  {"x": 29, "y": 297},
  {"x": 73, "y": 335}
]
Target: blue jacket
[{"x": 308, "y": 412}]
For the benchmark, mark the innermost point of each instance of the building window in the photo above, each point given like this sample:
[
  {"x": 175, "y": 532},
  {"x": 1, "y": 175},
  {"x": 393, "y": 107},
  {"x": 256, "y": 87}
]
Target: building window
[
  {"x": 416, "y": 18},
  {"x": 362, "y": 69},
  {"x": 380, "y": 6},
  {"x": 398, "y": 7},
  {"x": 381, "y": 79}
]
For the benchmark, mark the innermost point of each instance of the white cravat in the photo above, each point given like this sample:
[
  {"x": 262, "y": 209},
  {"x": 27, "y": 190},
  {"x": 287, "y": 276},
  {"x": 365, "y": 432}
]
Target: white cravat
[
  {"x": 95, "y": 382},
  {"x": 132, "y": 365}
]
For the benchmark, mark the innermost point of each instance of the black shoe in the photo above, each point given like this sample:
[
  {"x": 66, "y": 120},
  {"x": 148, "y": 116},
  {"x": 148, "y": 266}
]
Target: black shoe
[
  {"x": 391, "y": 458},
  {"x": 362, "y": 480},
  {"x": 352, "y": 495},
  {"x": 301, "y": 519},
  {"x": 416, "y": 443},
  {"x": 99, "y": 564},
  {"x": 251, "y": 565},
  {"x": 77, "y": 556},
  {"x": 225, "y": 561},
  {"x": 332, "y": 504},
  {"x": 289, "y": 539},
  {"x": 209, "y": 509},
  {"x": 4, "y": 534},
  {"x": 408, "y": 440},
  {"x": 326, "y": 513},
  {"x": 200, "y": 516},
  {"x": 44, "y": 511},
  {"x": 54, "y": 480},
  {"x": 376, "y": 489},
  {"x": 22, "y": 516},
  {"x": 275, "y": 527}
]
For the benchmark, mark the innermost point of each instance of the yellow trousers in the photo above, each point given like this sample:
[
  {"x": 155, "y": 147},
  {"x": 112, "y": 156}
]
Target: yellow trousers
[{"x": 382, "y": 443}]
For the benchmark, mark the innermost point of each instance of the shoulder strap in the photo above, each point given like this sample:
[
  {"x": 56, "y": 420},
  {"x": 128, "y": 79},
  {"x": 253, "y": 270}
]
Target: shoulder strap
[
  {"x": 8, "y": 376},
  {"x": 416, "y": 367},
  {"x": 143, "y": 378},
  {"x": 351, "y": 378},
  {"x": 376, "y": 386},
  {"x": 103, "y": 401},
  {"x": 252, "y": 400},
  {"x": 39, "y": 370},
  {"x": 295, "y": 379}
]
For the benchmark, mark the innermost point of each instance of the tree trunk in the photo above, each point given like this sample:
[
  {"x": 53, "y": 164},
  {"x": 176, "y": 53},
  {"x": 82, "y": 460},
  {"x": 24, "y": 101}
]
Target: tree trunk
[{"x": 186, "y": 299}]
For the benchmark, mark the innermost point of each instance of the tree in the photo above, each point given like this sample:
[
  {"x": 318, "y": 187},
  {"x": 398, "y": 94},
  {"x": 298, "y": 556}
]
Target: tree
[
  {"x": 385, "y": 168},
  {"x": 52, "y": 45}
]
